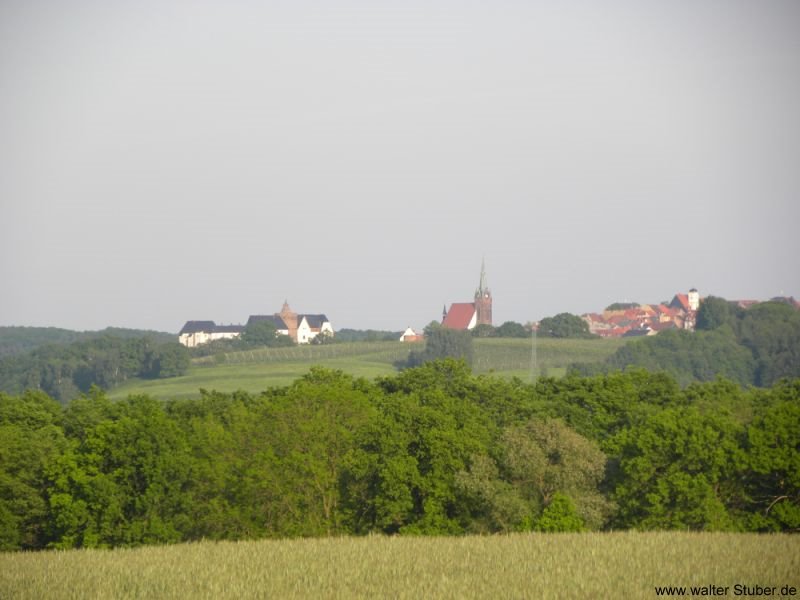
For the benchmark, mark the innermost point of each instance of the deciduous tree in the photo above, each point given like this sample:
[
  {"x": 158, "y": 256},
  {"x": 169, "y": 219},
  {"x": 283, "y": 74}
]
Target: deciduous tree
[{"x": 564, "y": 325}]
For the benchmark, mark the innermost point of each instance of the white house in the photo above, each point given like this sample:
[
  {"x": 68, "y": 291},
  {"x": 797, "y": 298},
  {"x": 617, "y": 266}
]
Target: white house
[
  {"x": 409, "y": 335},
  {"x": 310, "y": 326},
  {"x": 195, "y": 333}
]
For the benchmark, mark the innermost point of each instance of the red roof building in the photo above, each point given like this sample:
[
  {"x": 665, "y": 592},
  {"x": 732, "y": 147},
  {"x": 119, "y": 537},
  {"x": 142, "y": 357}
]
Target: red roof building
[
  {"x": 462, "y": 315},
  {"x": 467, "y": 315},
  {"x": 680, "y": 301}
]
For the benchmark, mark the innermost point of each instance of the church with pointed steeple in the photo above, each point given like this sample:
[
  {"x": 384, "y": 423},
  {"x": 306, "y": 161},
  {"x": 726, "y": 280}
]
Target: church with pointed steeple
[
  {"x": 468, "y": 315},
  {"x": 483, "y": 300}
]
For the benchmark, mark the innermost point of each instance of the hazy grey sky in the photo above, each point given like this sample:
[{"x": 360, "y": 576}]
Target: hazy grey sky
[{"x": 163, "y": 161}]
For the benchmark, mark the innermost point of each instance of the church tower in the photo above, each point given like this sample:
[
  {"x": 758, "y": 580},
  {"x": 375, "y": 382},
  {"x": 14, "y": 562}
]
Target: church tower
[
  {"x": 483, "y": 300},
  {"x": 290, "y": 319}
]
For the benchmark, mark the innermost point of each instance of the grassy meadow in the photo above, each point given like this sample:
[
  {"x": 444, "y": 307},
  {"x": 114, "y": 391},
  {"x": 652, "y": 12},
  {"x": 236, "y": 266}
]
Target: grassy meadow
[
  {"x": 581, "y": 565},
  {"x": 255, "y": 370}
]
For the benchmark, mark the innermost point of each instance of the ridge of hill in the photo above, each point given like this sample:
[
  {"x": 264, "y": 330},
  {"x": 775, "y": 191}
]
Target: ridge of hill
[{"x": 21, "y": 339}]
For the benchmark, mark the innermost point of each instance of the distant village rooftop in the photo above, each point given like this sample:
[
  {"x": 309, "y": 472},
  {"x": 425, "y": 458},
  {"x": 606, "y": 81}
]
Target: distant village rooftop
[{"x": 646, "y": 319}]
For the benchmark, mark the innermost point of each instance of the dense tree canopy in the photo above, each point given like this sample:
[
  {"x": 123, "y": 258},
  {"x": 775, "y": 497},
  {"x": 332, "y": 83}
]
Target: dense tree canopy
[
  {"x": 483, "y": 330},
  {"x": 21, "y": 340},
  {"x": 771, "y": 331},
  {"x": 509, "y": 329},
  {"x": 676, "y": 470},
  {"x": 623, "y": 305},
  {"x": 715, "y": 312},
  {"x": 699, "y": 356},
  {"x": 512, "y": 329},
  {"x": 564, "y": 325},
  {"x": 263, "y": 333},
  {"x": 442, "y": 342},
  {"x": 431, "y": 450},
  {"x": 66, "y": 371}
]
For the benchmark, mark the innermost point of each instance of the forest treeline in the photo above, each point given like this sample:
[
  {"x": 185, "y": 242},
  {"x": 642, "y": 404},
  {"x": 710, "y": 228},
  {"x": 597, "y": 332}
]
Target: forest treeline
[
  {"x": 19, "y": 340},
  {"x": 431, "y": 450},
  {"x": 755, "y": 346},
  {"x": 65, "y": 370}
]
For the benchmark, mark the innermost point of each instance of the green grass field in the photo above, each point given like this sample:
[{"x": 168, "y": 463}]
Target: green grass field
[
  {"x": 588, "y": 565},
  {"x": 256, "y": 370}
]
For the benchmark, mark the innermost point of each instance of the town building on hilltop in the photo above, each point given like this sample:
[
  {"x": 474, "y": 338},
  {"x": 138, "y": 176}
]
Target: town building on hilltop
[
  {"x": 302, "y": 328},
  {"x": 468, "y": 315},
  {"x": 645, "y": 319}
]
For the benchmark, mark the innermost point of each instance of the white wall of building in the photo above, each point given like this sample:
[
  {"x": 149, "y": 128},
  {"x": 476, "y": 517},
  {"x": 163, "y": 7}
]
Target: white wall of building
[
  {"x": 694, "y": 299},
  {"x": 304, "y": 333},
  {"x": 190, "y": 340}
]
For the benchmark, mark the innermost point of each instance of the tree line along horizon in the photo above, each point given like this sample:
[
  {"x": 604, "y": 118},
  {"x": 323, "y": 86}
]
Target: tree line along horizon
[{"x": 754, "y": 346}]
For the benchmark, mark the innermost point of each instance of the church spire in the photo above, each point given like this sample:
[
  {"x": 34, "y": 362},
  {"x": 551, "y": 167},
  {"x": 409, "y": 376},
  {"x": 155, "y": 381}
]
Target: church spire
[
  {"x": 482, "y": 288},
  {"x": 483, "y": 299}
]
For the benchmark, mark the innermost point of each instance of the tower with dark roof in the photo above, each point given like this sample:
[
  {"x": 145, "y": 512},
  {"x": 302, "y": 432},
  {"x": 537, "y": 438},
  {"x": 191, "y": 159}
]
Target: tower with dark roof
[{"x": 483, "y": 299}]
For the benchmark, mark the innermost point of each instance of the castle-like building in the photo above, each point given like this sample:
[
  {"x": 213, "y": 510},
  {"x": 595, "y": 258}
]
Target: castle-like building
[
  {"x": 468, "y": 315},
  {"x": 301, "y": 328}
]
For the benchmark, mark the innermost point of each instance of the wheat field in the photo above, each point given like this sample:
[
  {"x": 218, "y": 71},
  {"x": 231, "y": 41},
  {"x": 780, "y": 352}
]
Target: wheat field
[{"x": 586, "y": 565}]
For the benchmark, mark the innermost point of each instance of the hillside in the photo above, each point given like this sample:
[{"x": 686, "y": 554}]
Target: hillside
[
  {"x": 19, "y": 340},
  {"x": 256, "y": 370},
  {"x": 105, "y": 359}
]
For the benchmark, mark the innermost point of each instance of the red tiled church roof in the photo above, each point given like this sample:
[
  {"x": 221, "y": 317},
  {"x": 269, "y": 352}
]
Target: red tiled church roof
[{"x": 459, "y": 316}]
